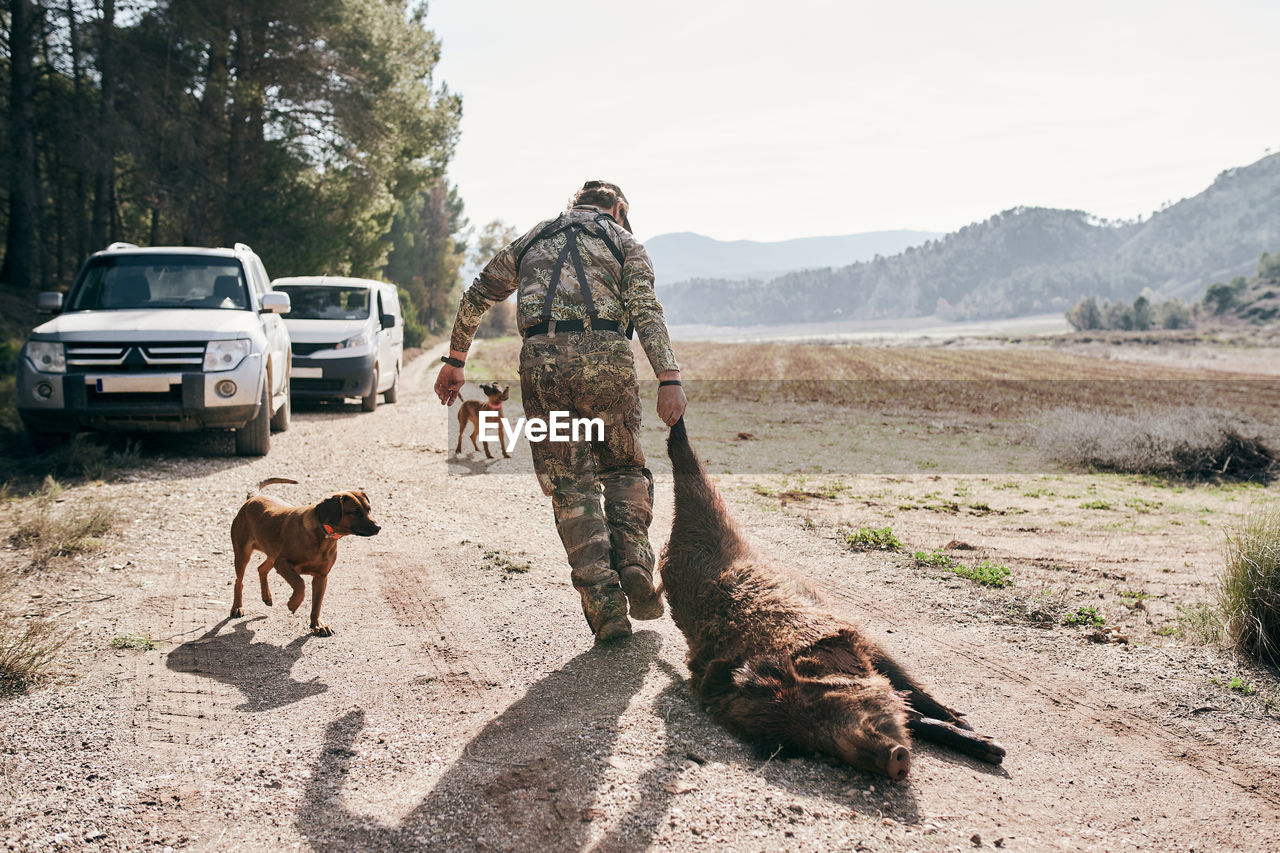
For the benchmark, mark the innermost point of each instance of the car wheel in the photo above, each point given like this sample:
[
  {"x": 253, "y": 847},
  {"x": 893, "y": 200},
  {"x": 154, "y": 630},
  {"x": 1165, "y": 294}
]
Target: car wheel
[
  {"x": 254, "y": 438},
  {"x": 369, "y": 402},
  {"x": 393, "y": 393},
  {"x": 283, "y": 417}
]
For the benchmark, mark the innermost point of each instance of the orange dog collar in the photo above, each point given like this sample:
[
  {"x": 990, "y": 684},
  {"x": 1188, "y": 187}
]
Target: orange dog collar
[{"x": 329, "y": 534}]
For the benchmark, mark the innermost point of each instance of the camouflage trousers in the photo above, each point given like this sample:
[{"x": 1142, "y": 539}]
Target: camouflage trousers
[{"x": 592, "y": 375}]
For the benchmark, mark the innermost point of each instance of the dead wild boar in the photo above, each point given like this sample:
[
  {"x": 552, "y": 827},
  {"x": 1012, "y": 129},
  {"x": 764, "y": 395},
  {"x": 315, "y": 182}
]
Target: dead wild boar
[{"x": 771, "y": 664}]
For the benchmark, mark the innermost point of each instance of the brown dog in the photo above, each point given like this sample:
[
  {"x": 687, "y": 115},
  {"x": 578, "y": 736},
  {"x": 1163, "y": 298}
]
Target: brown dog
[
  {"x": 297, "y": 541},
  {"x": 470, "y": 411}
]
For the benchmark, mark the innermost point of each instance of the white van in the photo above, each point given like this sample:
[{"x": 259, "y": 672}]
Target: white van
[{"x": 348, "y": 338}]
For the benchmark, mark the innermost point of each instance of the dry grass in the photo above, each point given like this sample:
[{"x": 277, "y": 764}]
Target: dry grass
[
  {"x": 1196, "y": 444},
  {"x": 27, "y": 650},
  {"x": 48, "y": 532},
  {"x": 1249, "y": 591}
]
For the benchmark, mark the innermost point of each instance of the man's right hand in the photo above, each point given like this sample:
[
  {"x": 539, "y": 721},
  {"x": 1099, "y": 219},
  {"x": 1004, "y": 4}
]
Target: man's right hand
[{"x": 448, "y": 383}]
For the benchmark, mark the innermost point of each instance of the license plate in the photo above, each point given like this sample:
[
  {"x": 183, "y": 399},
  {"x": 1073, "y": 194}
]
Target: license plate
[
  {"x": 308, "y": 372},
  {"x": 134, "y": 384}
]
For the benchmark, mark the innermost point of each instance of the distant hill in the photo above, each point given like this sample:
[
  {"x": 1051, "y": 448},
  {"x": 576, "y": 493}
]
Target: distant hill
[
  {"x": 1023, "y": 261},
  {"x": 680, "y": 257}
]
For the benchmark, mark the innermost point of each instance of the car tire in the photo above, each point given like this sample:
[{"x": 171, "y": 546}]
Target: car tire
[
  {"x": 254, "y": 438},
  {"x": 283, "y": 417},
  {"x": 393, "y": 393},
  {"x": 369, "y": 402}
]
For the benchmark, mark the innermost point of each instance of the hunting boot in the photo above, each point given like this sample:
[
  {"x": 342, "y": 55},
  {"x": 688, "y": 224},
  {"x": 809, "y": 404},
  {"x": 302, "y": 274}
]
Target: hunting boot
[
  {"x": 644, "y": 600},
  {"x": 606, "y": 610}
]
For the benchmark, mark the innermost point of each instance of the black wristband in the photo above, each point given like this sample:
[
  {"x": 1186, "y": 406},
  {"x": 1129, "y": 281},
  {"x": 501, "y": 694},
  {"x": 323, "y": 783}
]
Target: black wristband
[
  {"x": 666, "y": 382},
  {"x": 453, "y": 362}
]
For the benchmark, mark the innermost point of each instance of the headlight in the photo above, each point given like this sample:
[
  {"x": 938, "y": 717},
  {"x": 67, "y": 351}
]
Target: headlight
[
  {"x": 360, "y": 340},
  {"x": 47, "y": 356},
  {"x": 225, "y": 355}
]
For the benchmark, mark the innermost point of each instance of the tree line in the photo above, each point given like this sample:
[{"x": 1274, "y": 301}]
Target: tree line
[
  {"x": 1253, "y": 300},
  {"x": 312, "y": 130}
]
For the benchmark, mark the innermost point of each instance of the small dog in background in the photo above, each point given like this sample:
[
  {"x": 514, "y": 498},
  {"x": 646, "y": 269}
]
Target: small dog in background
[
  {"x": 469, "y": 413},
  {"x": 297, "y": 541}
]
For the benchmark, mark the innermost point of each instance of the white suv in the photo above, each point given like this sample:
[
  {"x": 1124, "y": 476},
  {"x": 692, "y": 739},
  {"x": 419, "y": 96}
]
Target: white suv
[{"x": 164, "y": 339}]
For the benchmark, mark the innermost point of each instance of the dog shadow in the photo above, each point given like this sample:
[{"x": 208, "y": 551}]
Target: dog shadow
[
  {"x": 528, "y": 780},
  {"x": 261, "y": 671},
  {"x": 463, "y": 465}
]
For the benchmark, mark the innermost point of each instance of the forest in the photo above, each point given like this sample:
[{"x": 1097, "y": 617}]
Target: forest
[{"x": 313, "y": 130}]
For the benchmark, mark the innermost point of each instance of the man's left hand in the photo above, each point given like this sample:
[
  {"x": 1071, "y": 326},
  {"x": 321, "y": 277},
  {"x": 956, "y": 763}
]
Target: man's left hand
[{"x": 671, "y": 404}]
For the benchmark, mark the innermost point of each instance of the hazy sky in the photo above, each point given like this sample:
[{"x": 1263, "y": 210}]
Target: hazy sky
[{"x": 792, "y": 118}]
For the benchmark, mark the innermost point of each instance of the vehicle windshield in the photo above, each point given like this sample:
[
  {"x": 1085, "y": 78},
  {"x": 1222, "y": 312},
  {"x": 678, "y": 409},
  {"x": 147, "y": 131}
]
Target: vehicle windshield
[
  {"x": 326, "y": 302},
  {"x": 160, "y": 281}
]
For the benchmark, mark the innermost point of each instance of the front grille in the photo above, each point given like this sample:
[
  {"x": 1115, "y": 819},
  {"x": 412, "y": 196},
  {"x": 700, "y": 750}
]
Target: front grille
[
  {"x": 308, "y": 349},
  {"x": 318, "y": 384},
  {"x": 141, "y": 358}
]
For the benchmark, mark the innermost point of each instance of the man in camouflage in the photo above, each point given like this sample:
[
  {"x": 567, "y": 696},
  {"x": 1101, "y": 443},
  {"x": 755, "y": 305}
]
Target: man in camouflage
[{"x": 582, "y": 281}]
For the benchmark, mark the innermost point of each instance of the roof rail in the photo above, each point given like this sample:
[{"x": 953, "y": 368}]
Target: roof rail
[
  {"x": 243, "y": 247},
  {"x": 118, "y": 245}
]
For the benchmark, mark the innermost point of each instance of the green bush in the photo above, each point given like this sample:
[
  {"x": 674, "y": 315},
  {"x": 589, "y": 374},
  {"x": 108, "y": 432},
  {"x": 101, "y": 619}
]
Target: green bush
[
  {"x": 874, "y": 539},
  {"x": 986, "y": 573},
  {"x": 1087, "y": 617},
  {"x": 1249, "y": 590}
]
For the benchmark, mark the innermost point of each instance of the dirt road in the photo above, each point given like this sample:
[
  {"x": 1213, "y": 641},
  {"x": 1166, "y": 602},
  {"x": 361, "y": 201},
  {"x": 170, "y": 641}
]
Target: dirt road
[{"x": 461, "y": 704}]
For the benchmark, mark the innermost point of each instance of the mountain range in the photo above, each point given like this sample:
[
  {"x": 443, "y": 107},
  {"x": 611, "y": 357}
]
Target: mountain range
[
  {"x": 685, "y": 255},
  {"x": 1027, "y": 260}
]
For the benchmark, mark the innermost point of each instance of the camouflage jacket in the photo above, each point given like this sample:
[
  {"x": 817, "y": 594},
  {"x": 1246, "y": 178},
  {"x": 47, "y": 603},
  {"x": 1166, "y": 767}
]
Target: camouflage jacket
[{"x": 621, "y": 291}]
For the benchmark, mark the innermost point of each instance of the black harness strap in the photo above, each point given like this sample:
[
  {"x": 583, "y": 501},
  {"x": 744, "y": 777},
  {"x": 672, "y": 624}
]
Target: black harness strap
[
  {"x": 570, "y": 251},
  {"x": 555, "y": 276},
  {"x": 584, "y": 286}
]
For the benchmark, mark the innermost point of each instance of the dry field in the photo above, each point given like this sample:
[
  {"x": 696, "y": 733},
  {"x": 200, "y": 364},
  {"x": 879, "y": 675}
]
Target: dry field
[{"x": 461, "y": 704}]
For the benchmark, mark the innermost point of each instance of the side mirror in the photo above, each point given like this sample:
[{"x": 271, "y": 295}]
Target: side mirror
[
  {"x": 276, "y": 302},
  {"x": 388, "y": 321},
  {"x": 49, "y": 302}
]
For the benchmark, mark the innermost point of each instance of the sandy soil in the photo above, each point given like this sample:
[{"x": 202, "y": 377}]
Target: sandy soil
[{"x": 462, "y": 705}]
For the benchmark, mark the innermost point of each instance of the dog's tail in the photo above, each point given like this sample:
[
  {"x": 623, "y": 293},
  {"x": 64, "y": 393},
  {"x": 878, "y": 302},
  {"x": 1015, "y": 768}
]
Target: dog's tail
[
  {"x": 702, "y": 522},
  {"x": 271, "y": 481}
]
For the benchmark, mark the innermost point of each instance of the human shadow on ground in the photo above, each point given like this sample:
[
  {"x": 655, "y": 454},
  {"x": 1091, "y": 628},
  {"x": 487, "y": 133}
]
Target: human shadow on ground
[
  {"x": 529, "y": 780},
  {"x": 526, "y": 781},
  {"x": 261, "y": 671}
]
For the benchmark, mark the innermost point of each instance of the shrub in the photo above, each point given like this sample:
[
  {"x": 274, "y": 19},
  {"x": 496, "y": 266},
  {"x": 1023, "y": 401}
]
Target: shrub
[
  {"x": 140, "y": 642},
  {"x": 935, "y": 558},
  {"x": 1087, "y": 617},
  {"x": 986, "y": 573},
  {"x": 1249, "y": 590},
  {"x": 1190, "y": 443},
  {"x": 27, "y": 648},
  {"x": 874, "y": 539},
  {"x": 52, "y": 534}
]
